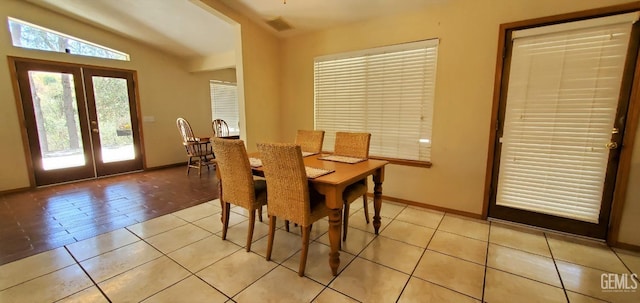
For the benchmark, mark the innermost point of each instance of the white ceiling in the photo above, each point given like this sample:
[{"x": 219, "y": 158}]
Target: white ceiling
[
  {"x": 179, "y": 27},
  {"x": 311, "y": 15},
  {"x": 183, "y": 28}
]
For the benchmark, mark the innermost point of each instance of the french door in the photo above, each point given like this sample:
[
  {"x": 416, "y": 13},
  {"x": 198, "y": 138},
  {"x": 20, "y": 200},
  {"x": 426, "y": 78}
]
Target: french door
[
  {"x": 563, "y": 105},
  {"x": 81, "y": 122}
]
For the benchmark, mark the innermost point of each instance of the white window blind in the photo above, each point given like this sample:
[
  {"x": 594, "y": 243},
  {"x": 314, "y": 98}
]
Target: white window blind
[
  {"x": 387, "y": 91},
  {"x": 224, "y": 104},
  {"x": 563, "y": 91}
]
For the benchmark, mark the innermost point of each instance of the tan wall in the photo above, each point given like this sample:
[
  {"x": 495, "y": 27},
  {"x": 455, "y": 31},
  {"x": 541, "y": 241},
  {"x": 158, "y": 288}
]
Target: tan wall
[
  {"x": 167, "y": 90},
  {"x": 631, "y": 213},
  {"x": 468, "y": 33},
  {"x": 258, "y": 79},
  {"x": 227, "y": 75}
]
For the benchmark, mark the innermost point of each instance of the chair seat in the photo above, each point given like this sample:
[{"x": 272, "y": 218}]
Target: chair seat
[
  {"x": 354, "y": 145},
  {"x": 350, "y": 194},
  {"x": 260, "y": 188},
  {"x": 354, "y": 191},
  {"x": 237, "y": 184},
  {"x": 200, "y": 153},
  {"x": 317, "y": 205},
  {"x": 290, "y": 196},
  {"x": 319, "y": 209}
]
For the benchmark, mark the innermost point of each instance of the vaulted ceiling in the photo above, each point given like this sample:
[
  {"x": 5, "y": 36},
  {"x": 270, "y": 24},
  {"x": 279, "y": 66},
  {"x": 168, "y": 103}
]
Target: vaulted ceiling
[{"x": 185, "y": 29}]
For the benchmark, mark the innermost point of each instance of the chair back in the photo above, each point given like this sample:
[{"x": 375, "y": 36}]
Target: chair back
[
  {"x": 352, "y": 144},
  {"x": 185, "y": 130},
  {"x": 310, "y": 140},
  {"x": 220, "y": 128},
  {"x": 287, "y": 184},
  {"x": 235, "y": 172}
]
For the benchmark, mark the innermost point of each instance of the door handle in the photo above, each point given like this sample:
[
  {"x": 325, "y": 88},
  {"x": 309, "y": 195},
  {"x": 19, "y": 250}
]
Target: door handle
[{"x": 611, "y": 145}]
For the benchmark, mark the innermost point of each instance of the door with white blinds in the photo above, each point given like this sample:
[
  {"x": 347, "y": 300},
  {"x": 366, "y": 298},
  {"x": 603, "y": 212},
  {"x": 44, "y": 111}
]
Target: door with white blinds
[{"x": 560, "y": 123}]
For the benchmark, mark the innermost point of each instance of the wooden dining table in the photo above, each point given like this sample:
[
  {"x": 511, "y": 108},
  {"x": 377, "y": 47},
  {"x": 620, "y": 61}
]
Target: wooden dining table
[{"x": 333, "y": 184}]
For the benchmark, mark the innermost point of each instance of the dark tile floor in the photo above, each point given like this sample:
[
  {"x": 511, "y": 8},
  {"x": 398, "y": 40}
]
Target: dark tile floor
[{"x": 45, "y": 218}]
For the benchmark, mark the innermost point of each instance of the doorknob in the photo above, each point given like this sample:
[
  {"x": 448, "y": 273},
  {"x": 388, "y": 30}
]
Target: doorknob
[
  {"x": 612, "y": 145},
  {"x": 95, "y": 130}
]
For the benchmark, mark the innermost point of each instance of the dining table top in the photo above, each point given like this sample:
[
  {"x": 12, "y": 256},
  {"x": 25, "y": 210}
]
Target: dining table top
[{"x": 342, "y": 173}]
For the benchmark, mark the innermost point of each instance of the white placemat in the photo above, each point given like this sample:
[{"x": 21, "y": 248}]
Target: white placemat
[
  {"x": 255, "y": 162},
  {"x": 343, "y": 159},
  {"x": 314, "y": 172}
]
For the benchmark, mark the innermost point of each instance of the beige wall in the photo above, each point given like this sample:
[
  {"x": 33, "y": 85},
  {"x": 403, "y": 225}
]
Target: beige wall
[
  {"x": 227, "y": 75},
  {"x": 631, "y": 214},
  {"x": 258, "y": 70},
  {"x": 166, "y": 88},
  {"x": 468, "y": 33}
]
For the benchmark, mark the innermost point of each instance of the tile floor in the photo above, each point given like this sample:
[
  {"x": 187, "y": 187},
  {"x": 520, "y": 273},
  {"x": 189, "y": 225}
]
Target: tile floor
[{"x": 419, "y": 256}]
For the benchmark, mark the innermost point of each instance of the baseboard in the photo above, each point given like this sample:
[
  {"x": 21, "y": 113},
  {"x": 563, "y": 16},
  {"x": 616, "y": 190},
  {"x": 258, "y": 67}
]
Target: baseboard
[
  {"x": 166, "y": 166},
  {"x": 429, "y": 206},
  {"x": 627, "y": 246},
  {"x": 14, "y": 190},
  {"x": 23, "y": 189},
  {"x": 621, "y": 245}
]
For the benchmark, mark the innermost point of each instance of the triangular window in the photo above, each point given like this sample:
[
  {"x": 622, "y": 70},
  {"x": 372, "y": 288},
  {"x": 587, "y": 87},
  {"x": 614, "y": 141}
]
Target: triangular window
[{"x": 27, "y": 35}]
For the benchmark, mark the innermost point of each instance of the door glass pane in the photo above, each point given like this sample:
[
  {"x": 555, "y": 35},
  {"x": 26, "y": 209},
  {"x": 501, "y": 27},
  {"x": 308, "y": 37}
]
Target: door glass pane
[
  {"x": 114, "y": 119},
  {"x": 56, "y": 112}
]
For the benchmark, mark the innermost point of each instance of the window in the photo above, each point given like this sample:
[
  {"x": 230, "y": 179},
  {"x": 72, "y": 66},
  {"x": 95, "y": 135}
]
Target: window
[
  {"x": 27, "y": 35},
  {"x": 386, "y": 91},
  {"x": 224, "y": 104}
]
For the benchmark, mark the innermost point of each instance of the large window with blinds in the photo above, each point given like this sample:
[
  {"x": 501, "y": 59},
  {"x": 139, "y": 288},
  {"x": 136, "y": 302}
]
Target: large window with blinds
[
  {"x": 386, "y": 91},
  {"x": 224, "y": 104},
  {"x": 562, "y": 98}
]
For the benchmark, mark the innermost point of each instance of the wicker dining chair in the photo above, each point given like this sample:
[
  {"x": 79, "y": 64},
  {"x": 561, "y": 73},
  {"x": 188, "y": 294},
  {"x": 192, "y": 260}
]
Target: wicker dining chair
[
  {"x": 290, "y": 196},
  {"x": 353, "y": 145},
  {"x": 198, "y": 149},
  {"x": 238, "y": 186},
  {"x": 220, "y": 128},
  {"x": 310, "y": 141}
]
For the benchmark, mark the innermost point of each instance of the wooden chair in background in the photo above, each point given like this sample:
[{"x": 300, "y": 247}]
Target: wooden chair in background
[
  {"x": 354, "y": 145},
  {"x": 220, "y": 128},
  {"x": 198, "y": 149}
]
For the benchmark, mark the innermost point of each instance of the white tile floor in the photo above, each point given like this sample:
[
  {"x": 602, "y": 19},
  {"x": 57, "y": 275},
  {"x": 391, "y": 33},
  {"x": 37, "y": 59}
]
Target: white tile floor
[{"x": 419, "y": 256}]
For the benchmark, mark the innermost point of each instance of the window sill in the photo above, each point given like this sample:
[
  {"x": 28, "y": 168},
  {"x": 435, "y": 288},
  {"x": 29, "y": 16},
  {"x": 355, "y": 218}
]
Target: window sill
[{"x": 426, "y": 164}]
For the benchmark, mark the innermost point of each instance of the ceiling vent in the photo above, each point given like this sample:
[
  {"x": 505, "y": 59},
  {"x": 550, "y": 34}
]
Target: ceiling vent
[{"x": 279, "y": 24}]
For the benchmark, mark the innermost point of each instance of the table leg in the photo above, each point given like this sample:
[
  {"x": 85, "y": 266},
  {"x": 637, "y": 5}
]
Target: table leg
[
  {"x": 378, "y": 176},
  {"x": 335, "y": 220}
]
